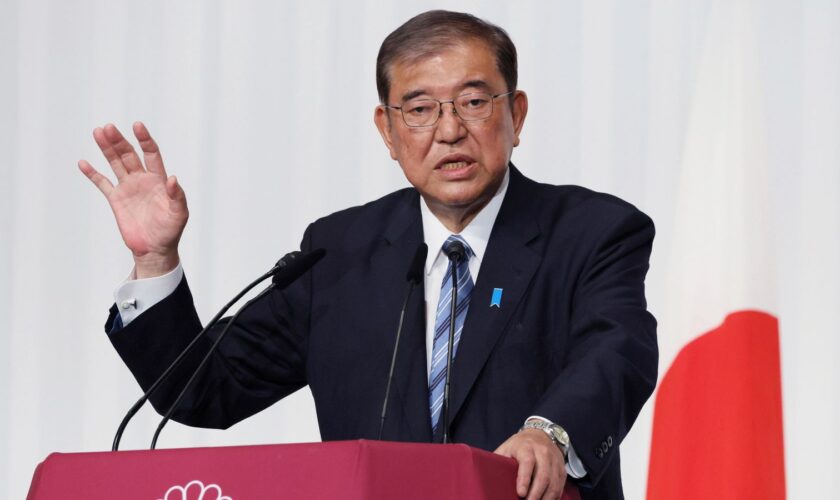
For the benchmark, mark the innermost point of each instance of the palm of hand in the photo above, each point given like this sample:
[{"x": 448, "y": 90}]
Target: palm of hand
[{"x": 145, "y": 215}]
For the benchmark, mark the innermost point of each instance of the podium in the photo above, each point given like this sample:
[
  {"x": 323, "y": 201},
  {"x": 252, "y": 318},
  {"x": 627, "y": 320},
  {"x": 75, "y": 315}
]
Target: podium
[{"x": 339, "y": 469}]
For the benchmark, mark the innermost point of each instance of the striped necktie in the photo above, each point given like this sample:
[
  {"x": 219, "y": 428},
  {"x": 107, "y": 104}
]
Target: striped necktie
[{"x": 440, "y": 346}]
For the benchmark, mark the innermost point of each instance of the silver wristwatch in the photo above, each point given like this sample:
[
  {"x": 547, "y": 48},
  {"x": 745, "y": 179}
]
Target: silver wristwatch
[{"x": 554, "y": 431}]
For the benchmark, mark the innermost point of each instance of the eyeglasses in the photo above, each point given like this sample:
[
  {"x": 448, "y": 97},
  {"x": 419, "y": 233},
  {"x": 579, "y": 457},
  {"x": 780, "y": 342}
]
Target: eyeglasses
[{"x": 426, "y": 112}]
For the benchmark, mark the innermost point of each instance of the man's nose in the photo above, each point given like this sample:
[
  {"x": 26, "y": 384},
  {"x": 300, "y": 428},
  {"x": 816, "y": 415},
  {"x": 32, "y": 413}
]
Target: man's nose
[{"x": 450, "y": 127}]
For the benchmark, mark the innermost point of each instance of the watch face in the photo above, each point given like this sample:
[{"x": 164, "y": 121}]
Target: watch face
[{"x": 560, "y": 435}]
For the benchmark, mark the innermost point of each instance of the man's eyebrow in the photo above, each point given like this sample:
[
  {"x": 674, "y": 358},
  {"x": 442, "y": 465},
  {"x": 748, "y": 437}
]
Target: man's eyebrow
[
  {"x": 478, "y": 84},
  {"x": 411, "y": 95}
]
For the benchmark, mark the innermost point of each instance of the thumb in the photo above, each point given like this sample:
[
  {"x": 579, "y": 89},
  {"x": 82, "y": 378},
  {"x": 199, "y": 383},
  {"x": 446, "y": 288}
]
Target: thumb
[{"x": 177, "y": 198}]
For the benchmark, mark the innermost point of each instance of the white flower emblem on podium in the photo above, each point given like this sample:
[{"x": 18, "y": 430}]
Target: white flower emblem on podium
[{"x": 195, "y": 490}]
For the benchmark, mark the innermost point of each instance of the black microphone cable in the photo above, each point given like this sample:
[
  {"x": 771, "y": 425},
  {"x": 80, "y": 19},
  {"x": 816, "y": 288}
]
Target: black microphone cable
[
  {"x": 414, "y": 277},
  {"x": 455, "y": 252},
  {"x": 163, "y": 376},
  {"x": 284, "y": 276},
  {"x": 281, "y": 264}
]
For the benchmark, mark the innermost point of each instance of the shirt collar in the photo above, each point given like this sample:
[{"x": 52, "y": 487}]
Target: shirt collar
[{"x": 477, "y": 232}]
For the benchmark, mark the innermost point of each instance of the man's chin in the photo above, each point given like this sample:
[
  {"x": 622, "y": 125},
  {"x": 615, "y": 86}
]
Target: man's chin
[{"x": 457, "y": 202}]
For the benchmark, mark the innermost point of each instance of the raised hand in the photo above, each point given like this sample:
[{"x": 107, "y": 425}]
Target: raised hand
[{"x": 150, "y": 207}]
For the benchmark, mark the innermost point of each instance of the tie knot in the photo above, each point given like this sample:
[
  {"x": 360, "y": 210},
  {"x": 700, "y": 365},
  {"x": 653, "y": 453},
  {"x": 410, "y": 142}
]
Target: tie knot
[{"x": 455, "y": 243}]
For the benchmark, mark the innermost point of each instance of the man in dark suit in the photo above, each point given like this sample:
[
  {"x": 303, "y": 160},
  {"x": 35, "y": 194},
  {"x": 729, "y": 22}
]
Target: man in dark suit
[{"x": 555, "y": 352}]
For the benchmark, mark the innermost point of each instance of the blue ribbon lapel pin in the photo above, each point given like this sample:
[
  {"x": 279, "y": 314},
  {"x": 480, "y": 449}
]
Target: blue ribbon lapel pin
[{"x": 496, "y": 298}]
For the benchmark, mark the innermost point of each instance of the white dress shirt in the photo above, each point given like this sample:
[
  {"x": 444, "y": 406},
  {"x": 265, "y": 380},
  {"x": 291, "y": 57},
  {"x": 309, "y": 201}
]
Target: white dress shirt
[{"x": 476, "y": 234}]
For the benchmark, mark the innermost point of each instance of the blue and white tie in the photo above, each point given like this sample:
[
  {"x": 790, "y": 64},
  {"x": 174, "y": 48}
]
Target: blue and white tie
[{"x": 437, "y": 375}]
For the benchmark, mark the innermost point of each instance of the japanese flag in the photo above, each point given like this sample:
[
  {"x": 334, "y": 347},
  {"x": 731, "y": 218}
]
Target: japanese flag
[{"x": 717, "y": 422}]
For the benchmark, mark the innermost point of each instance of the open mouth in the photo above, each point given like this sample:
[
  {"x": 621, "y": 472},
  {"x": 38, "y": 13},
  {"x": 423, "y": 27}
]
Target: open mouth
[
  {"x": 454, "y": 162},
  {"x": 453, "y": 165}
]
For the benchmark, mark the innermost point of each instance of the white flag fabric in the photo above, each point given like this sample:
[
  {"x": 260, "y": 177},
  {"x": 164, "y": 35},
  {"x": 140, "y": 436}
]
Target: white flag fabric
[{"x": 718, "y": 407}]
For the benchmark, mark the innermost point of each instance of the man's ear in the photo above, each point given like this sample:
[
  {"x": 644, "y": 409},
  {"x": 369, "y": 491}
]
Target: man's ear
[
  {"x": 519, "y": 111},
  {"x": 382, "y": 119}
]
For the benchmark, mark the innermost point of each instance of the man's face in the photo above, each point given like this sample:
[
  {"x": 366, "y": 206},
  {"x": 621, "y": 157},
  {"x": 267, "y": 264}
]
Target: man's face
[{"x": 457, "y": 166}]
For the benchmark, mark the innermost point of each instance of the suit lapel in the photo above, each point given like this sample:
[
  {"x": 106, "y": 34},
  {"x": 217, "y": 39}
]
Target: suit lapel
[{"x": 509, "y": 263}]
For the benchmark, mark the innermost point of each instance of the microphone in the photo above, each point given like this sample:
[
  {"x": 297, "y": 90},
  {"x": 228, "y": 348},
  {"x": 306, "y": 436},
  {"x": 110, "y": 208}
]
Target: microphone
[
  {"x": 296, "y": 264},
  {"x": 414, "y": 277},
  {"x": 455, "y": 252},
  {"x": 418, "y": 263},
  {"x": 281, "y": 264}
]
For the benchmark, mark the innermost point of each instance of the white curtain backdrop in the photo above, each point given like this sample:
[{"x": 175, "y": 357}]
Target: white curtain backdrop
[{"x": 264, "y": 112}]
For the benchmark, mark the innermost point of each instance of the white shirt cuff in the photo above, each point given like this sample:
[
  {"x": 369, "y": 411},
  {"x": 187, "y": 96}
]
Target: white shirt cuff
[
  {"x": 134, "y": 296},
  {"x": 574, "y": 467}
]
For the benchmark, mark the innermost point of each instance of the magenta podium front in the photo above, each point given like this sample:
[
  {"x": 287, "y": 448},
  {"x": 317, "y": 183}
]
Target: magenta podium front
[{"x": 340, "y": 469}]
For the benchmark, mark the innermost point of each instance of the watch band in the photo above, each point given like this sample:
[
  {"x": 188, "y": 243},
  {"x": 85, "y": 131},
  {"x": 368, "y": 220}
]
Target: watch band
[{"x": 557, "y": 434}]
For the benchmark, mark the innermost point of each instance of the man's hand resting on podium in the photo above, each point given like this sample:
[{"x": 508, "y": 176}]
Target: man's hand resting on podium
[
  {"x": 150, "y": 207},
  {"x": 542, "y": 470}
]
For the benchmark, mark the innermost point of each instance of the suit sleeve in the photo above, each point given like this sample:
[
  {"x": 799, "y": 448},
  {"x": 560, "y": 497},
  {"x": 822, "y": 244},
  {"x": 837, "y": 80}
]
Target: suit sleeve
[
  {"x": 611, "y": 363},
  {"x": 261, "y": 360}
]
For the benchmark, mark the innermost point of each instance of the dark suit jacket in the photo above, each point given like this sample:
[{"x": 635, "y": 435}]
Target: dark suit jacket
[{"x": 572, "y": 340}]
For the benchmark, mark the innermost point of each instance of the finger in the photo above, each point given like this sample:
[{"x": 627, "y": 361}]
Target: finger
[
  {"x": 123, "y": 148},
  {"x": 98, "y": 180},
  {"x": 151, "y": 153},
  {"x": 177, "y": 198},
  {"x": 109, "y": 153},
  {"x": 540, "y": 480},
  {"x": 523, "y": 474},
  {"x": 553, "y": 467},
  {"x": 555, "y": 488},
  {"x": 558, "y": 485}
]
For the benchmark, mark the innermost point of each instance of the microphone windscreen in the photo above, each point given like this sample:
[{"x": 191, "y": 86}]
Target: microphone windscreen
[
  {"x": 418, "y": 263},
  {"x": 455, "y": 251},
  {"x": 295, "y": 267},
  {"x": 286, "y": 259}
]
